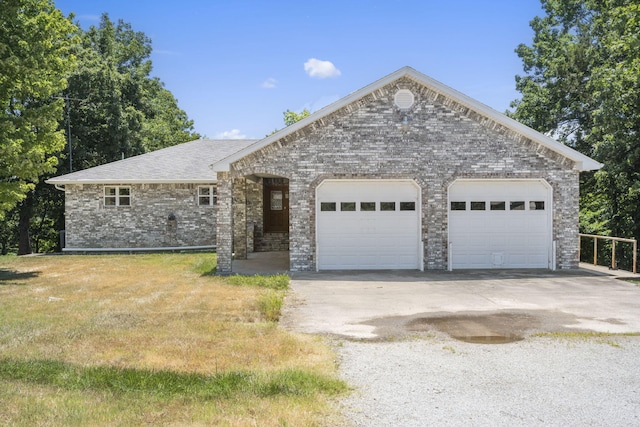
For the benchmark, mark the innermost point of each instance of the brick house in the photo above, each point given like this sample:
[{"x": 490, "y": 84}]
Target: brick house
[{"x": 405, "y": 173}]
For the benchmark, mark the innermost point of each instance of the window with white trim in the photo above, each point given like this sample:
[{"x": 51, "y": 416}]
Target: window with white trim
[
  {"x": 116, "y": 195},
  {"x": 207, "y": 195}
]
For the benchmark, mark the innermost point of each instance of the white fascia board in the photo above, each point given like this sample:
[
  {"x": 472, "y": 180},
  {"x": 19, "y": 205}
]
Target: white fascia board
[
  {"x": 116, "y": 181},
  {"x": 582, "y": 162},
  {"x": 224, "y": 164}
]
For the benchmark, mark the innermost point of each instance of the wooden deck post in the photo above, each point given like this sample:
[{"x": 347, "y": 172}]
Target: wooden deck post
[{"x": 613, "y": 254}]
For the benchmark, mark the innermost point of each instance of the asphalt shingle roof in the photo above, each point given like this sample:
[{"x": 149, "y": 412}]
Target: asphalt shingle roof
[{"x": 186, "y": 162}]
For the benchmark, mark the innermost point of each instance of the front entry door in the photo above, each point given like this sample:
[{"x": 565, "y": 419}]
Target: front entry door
[{"x": 276, "y": 208}]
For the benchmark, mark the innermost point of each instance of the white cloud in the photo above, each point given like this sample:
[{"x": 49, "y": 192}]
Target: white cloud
[
  {"x": 321, "y": 69},
  {"x": 231, "y": 134},
  {"x": 270, "y": 83}
]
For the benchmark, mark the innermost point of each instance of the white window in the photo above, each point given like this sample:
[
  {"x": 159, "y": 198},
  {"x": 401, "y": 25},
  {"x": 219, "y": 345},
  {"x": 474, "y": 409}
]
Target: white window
[
  {"x": 117, "y": 196},
  {"x": 207, "y": 195},
  {"x": 276, "y": 200}
]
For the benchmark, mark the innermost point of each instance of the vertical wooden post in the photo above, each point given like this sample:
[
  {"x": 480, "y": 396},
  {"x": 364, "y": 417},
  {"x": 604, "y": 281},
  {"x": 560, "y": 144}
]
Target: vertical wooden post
[
  {"x": 635, "y": 256},
  {"x": 595, "y": 251},
  {"x": 613, "y": 254}
]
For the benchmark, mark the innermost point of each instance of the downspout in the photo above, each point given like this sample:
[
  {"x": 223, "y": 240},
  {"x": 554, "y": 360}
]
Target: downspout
[{"x": 59, "y": 187}]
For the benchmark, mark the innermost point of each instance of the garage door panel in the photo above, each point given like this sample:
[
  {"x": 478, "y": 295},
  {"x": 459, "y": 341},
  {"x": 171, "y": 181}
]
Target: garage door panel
[
  {"x": 504, "y": 238},
  {"x": 368, "y": 239}
]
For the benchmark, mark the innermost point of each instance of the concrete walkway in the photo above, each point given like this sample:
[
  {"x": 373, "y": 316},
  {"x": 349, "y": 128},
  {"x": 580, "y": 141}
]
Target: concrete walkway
[
  {"x": 267, "y": 263},
  {"x": 379, "y": 304}
]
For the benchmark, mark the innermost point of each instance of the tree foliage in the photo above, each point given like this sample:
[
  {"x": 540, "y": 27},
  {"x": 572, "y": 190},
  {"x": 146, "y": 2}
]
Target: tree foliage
[
  {"x": 291, "y": 117},
  {"x": 35, "y": 59},
  {"x": 114, "y": 109},
  {"x": 582, "y": 85}
]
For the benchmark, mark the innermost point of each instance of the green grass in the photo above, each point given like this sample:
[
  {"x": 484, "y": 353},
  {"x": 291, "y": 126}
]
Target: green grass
[
  {"x": 205, "y": 266},
  {"x": 270, "y": 305},
  {"x": 585, "y": 334},
  {"x": 154, "y": 339},
  {"x": 270, "y": 302},
  {"x": 169, "y": 384},
  {"x": 599, "y": 337},
  {"x": 279, "y": 281}
]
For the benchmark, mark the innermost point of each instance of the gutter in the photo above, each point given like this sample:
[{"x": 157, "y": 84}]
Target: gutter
[
  {"x": 116, "y": 181},
  {"x": 155, "y": 249}
]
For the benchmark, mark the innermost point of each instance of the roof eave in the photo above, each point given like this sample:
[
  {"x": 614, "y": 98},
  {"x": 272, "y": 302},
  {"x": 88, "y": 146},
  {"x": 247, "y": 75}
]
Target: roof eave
[
  {"x": 113, "y": 181},
  {"x": 582, "y": 162},
  {"x": 225, "y": 164}
]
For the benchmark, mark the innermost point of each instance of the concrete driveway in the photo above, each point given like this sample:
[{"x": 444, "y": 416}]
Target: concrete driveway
[{"x": 487, "y": 303}]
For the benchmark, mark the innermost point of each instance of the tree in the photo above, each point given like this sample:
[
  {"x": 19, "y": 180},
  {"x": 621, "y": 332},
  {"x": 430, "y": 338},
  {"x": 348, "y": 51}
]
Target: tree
[
  {"x": 118, "y": 109},
  {"x": 291, "y": 117},
  {"x": 582, "y": 86},
  {"x": 115, "y": 109},
  {"x": 35, "y": 58}
]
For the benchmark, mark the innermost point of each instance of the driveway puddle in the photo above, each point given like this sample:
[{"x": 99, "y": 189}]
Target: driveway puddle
[
  {"x": 494, "y": 327},
  {"x": 490, "y": 339},
  {"x": 481, "y": 328}
]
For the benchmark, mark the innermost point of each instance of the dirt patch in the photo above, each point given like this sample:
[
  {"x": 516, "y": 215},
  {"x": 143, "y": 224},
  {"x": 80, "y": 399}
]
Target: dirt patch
[{"x": 497, "y": 327}]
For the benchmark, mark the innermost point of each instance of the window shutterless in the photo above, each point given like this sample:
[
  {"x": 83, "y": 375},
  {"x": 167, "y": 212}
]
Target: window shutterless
[
  {"x": 117, "y": 195},
  {"x": 207, "y": 195}
]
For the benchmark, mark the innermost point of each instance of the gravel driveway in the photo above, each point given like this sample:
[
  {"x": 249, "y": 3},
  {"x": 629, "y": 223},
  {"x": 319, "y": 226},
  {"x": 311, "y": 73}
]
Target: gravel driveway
[
  {"x": 408, "y": 344},
  {"x": 538, "y": 381}
]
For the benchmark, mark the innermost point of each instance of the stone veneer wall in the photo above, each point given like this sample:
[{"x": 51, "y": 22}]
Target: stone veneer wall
[
  {"x": 434, "y": 143},
  {"x": 144, "y": 224},
  {"x": 248, "y": 221}
]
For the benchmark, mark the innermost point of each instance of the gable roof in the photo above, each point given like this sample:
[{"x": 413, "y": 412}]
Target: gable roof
[
  {"x": 188, "y": 162},
  {"x": 582, "y": 162}
]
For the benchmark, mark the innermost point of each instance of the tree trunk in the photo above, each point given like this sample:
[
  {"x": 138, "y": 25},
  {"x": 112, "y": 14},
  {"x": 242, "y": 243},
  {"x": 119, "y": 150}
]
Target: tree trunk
[{"x": 26, "y": 209}]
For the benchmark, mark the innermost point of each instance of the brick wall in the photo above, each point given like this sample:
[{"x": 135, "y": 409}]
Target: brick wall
[
  {"x": 144, "y": 224},
  {"x": 433, "y": 143}
]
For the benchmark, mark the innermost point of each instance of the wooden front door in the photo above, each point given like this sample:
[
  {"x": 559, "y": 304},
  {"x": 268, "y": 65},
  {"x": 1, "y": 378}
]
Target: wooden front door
[{"x": 276, "y": 208}]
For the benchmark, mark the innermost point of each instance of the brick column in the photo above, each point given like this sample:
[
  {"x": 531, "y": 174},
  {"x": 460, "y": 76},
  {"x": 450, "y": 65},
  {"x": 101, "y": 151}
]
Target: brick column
[
  {"x": 436, "y": 207},
  {"x": 239, "y": 210},
  {"x": 224, "y": 223},
  {"x": 566, "y": 207}
]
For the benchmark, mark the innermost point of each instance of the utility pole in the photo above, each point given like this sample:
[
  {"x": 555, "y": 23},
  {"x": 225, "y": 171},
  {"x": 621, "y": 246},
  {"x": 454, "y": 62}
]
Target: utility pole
[{"x": 68, "y": 106}]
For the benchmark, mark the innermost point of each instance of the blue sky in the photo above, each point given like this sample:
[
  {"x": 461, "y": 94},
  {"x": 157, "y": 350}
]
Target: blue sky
[{"x": 235, "y": 66}]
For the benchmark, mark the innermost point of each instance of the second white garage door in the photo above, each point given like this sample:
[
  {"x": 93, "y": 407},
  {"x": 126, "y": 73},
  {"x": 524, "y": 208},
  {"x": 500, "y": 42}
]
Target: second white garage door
[
  {"x": 368, "y": 224},
  {"x": 500, "y": 224}
]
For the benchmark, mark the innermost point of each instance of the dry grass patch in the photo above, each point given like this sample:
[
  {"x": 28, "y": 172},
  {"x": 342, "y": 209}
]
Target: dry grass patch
[{"x": 147, "y": 314}]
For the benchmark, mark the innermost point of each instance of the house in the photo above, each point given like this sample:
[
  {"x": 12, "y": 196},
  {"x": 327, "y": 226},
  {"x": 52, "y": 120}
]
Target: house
[
  {"x": 405, "y": 173},
  {"x": 162, "y": 199}
]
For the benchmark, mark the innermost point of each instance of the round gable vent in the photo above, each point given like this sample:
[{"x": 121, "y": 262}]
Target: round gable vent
[{"x": 403, "y": 99}]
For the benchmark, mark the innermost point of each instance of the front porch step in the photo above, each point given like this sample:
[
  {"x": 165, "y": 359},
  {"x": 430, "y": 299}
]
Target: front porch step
[{"x": 272, "y": 242}]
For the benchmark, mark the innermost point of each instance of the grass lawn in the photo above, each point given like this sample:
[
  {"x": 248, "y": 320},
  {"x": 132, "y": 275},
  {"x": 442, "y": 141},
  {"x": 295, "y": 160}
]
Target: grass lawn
[{"x": 153, "y": 339}]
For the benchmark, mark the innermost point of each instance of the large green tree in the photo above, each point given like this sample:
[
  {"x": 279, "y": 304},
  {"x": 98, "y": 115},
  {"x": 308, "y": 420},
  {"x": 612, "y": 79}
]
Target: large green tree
[
  {"x": 114, "y": 109},
  {"x": 582, "y": 86},
  {"x": 117, "y": 109},
  {"x": 35, "y": 59}
]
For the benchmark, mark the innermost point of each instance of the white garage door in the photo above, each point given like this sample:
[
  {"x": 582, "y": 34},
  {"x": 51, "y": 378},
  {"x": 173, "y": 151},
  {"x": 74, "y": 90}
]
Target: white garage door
[
  {"x": 500, "y": 224},
  {"x": 368, "y": 224}
]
